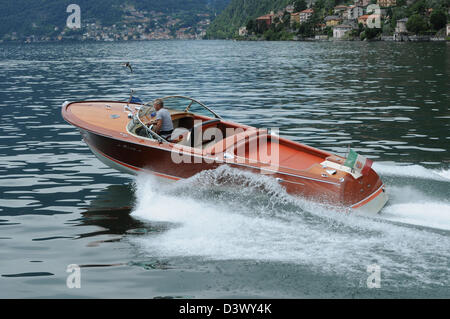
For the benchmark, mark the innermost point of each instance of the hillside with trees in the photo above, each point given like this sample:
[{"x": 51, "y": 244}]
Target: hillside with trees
[
  {"x": 45, "y": 17},
  {"x": 425, "y": 17},
  {"x": 238, "y": 13}
]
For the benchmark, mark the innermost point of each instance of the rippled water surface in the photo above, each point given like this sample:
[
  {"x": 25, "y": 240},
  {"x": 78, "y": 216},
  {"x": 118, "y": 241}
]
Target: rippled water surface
[{"x": 138, "y": 238}]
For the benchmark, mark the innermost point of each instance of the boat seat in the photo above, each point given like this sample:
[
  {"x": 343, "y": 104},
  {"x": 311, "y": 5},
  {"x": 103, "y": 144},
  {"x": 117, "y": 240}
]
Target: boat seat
[
  {"x": 195, "y": 136},
  {"x": 185, "y": 120},
  {"x": 180, "y": 135}
]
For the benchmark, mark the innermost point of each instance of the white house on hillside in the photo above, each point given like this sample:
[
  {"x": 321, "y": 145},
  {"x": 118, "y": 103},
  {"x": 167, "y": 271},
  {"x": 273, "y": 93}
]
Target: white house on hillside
[
  {"x": 401, "y": 26},
  {"x": 340, "y": 31},
  {"x": 243, "y": 31}
]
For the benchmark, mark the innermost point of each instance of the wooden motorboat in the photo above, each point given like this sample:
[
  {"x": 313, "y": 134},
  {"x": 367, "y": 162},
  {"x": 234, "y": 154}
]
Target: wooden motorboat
[{"x": 120, "y": 134}]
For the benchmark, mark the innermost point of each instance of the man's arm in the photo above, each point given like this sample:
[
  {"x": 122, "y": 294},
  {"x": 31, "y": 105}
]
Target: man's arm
[{"x": 158, "y": 126}]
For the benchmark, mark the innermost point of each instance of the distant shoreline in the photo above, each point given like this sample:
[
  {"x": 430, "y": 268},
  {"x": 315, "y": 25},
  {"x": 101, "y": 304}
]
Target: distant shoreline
[{"x": 411, "y": 40}]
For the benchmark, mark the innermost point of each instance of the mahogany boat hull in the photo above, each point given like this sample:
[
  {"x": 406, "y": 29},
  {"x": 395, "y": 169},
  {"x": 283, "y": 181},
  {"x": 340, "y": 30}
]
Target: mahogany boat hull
[
  {"x": 131, "y": 154},
  {"x": 132, "y": 159}
]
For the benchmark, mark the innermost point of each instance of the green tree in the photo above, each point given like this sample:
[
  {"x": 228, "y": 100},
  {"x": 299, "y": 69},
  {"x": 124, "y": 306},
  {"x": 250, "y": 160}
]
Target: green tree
[
  {"x": 362, "y": 35},
  {"x": 360, "y": 27},
  {"x": 251, "y": 26},
  {"x": 357, "y": 32},
  {"x": 371, "y": 33},
  {"x": 387, "y": 29},
  {"x": 438, "y": 19},
  {"x": 329, "y": 32},
  {"x": 306, "y": 29},
  {"x": 261, "y": 28},
  {"x": 286, "y": 19},
  {"x": 416, "y": 24},
  {"x": 329, "y": 5},
  {"x": 238, "y": 12},
  {"x": 300, "y": 5},
  {"x": 397, "y": 14},
  {"x": 315, "y": 18},
  {"x": 271, "y": 35},
  {"x": 318, "y": 5},
  {"x": 419, "y": 7}
]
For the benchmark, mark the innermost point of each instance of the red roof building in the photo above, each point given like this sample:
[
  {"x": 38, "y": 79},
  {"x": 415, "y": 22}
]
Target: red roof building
[
  {"x": 267, "y": 19},
  {"x": 305, "y": 15}
]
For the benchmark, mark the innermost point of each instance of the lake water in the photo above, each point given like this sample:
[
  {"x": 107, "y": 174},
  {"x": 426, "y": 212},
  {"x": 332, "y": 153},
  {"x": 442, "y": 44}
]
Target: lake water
[{"x": 137, "y": 238}]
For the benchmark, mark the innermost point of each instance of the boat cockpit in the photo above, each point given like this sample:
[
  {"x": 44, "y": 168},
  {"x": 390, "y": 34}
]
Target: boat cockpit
[{"x": 195, "y": 124}]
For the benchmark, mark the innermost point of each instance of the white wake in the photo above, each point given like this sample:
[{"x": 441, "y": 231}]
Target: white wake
[{"x": 212, "y": 218}]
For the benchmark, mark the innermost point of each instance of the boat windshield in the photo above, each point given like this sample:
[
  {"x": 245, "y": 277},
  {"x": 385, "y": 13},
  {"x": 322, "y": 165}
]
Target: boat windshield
[{"x": 183, "y": 104}]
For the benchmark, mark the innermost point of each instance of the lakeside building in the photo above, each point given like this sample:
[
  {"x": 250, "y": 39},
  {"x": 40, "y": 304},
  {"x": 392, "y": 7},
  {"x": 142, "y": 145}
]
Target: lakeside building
[
  {"x": 448, "y": 29},
  {"x": 401, "y": 26},
  {"x": 265, "y": 19},
  {"x": 386, "y": 3},
  {"x": 305, "y": 15},
  {"x": 362, "y": 3},
  {"x": 345, "y": 19},
  {"x": 320, "y": 27},
  {"x": 243, "y": 31},
  {"x": 401, "y": 32},
  {"x": 354, "y": 12},
  {"x": 295, "y": 18},
  {"x": 321, "y": 37},
  {"x": 340, "y": 10},
  {"x": 331, "y": 21},
  {"x": 340, "y": 31},
  {"x": 290, "y": 8},
  {"x": 365, "y": 18},
  {"x": 135, "y": 24}
]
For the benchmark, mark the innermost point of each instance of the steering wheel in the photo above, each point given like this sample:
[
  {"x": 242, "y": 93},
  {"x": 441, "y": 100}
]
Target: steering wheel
[{"x": 150, "y": 128}]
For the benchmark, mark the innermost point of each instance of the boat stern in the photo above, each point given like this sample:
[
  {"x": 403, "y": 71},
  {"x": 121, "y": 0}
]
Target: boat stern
[
  {"x": 365, "y": 193},
  {"x": 373, "y": 204}
]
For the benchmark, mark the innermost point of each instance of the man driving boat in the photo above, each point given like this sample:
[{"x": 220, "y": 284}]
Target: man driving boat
[{"x": 164, "y": 125}]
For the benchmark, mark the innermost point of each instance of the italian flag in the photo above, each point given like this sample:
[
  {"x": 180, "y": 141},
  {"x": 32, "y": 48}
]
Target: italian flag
[{"x": 358, "y": 163}]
